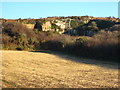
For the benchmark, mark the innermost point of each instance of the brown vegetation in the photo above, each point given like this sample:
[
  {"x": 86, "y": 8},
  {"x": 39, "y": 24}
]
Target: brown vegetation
[{"x": 102, "y": 45}]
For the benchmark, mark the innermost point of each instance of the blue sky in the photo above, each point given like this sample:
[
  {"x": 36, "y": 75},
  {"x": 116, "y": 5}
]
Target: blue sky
[{"x": 15, "y": 10}]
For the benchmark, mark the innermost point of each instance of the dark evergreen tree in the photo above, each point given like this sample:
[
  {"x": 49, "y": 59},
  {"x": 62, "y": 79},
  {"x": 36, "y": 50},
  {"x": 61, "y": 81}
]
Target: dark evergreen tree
[{"x": 38, "y": 25}]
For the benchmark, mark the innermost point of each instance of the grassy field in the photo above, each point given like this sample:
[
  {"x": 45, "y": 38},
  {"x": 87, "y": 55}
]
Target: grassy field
[{"x": 24, "y": 69}]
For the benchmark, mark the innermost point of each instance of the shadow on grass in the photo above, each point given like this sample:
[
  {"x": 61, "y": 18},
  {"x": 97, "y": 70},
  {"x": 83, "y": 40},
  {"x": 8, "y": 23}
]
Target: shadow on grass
[{"x": 101, "y": 63}]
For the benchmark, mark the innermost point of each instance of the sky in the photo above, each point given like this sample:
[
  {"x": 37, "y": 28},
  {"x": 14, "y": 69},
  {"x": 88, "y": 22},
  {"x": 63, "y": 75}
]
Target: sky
[{"x": 15, "y": 10}]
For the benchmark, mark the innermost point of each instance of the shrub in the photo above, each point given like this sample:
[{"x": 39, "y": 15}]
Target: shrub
[
  {"x": 15, "y": 28},
  {"x": 82, "y": 40},
  {"x": 73, "y": 24},
  {"x": 106, "y": 35},
  {"x": 102, "y": 24},
  {"x": 38, "y": 25},
  {"x": 16, "y": 33},
  {"x": 52, "y": 45}
]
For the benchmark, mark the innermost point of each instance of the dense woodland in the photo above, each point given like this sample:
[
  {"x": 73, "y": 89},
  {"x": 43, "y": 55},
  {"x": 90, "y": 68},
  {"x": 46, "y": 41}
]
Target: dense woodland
[{"x": 98, "y": 39}]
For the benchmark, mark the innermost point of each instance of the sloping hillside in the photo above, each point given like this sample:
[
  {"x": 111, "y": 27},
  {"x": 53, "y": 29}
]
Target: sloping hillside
[
  {"x": 31, "y": 26},
  {"x": 25, "y": 69}
]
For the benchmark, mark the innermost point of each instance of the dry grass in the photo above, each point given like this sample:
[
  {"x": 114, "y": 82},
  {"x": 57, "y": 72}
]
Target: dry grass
[
  {"x": 25, "y": 69},
  {"x": 31, "y": 26}
]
